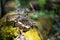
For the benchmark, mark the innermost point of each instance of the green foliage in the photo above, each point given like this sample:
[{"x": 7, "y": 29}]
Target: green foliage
[
  {"x": 41, "y": 2},
  {"x": 52, "y": 38},
  {"x": 54, "y": 6},
  {"x": 23, "y": 3},
  {"x": 37, "y": 15},
  {"x": 42, "y": 14}
]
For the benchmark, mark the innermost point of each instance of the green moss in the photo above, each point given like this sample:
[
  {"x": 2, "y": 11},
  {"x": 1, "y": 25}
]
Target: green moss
[{"x": 7, "y": 32}]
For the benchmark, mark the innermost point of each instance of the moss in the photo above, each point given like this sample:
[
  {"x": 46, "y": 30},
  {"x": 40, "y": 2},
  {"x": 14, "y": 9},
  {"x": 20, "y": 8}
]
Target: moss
[{"x": 7, "y": 32}]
